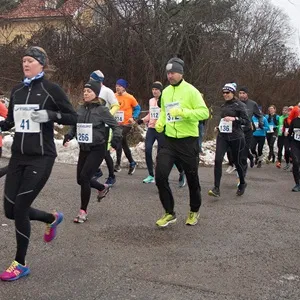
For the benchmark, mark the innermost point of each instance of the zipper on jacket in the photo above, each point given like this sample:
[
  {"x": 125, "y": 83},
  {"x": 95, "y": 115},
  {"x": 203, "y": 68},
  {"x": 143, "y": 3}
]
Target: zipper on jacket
[
  {"x": 174, "y": 122},
  {"x": 23, "y": 134}
]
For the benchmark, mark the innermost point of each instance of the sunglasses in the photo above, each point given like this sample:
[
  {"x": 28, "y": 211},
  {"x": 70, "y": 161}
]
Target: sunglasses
[{"x": 226, "y": 92}]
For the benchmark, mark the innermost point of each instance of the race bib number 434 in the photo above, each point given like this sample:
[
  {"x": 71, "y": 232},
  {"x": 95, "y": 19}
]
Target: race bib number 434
[
  {"x": 23, "y": 122},
  {"x": 84, "y": 133}
]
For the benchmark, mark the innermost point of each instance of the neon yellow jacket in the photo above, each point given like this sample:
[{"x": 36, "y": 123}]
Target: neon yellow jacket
[{"x": 189, "y": 99}]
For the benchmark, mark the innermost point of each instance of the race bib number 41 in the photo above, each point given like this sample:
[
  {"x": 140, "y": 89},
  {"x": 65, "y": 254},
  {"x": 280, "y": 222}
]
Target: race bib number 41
[
  {"x": 85, "y": 133},
  {"x": 225, "y": 126},
  {"x": 169, "y": 118},
  {"x": 23, "y": 122}
]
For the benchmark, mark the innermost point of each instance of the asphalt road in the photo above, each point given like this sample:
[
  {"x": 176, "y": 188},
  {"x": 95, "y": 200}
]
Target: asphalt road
[{"x": 243, "y": 247}]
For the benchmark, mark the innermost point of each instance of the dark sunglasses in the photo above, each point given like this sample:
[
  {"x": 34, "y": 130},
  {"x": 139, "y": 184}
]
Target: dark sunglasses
[{"x": 226, "y": 92}]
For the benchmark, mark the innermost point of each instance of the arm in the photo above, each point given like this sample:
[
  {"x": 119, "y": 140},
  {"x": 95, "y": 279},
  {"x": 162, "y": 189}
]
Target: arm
[
  {"x": 9, "y": 122},
  {"x": 136, "y": 111},
  {"x": 113, "y": 101},
  {"x": 266, "y": 125},
  {"x": 242, "y": 118},
  {"x": 108, "y": 119},
  {"x": 65, "y": 113},
  {"x": 3, "y": 110},
  {"x": 291, "y": 130},
  {"x": 114, "y": 108}
]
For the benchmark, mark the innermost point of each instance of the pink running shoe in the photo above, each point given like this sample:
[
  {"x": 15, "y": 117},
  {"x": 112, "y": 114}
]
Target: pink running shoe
[
  {"x": 50, "y": 231},
  {"x": 14, "y": 272}
]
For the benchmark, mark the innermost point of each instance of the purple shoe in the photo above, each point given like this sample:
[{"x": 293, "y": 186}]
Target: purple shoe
[
  {"x": 50, "y": 231},
  {"x": 14, "y": 272}
]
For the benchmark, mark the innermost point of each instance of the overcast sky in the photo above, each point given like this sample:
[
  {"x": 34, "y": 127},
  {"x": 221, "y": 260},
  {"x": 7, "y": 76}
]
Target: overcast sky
[{"x": 292, "y": 9}]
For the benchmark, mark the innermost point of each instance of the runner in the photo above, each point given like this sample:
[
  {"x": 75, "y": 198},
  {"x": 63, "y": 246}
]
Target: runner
[
  {"x": 230, "y": 136},
  {"x": 258, "y": 140},
  {"x": 182, "y": 107},
  {"x": 91, "y": 133},
  {"x": 281, "y": 140},
  {"x": 34, "y": 106},
  {"x": 273, "y": 120},
  {"x": 113, "y": 105},
  {"x": 294, "y": 134},
  {"x": 129, "y": 111},
  {"x": 152, "y": 135},
  {"x": 252, "y": 109}
]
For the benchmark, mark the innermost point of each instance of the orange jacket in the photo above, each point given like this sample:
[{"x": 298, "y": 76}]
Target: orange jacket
[{"x": 3, "y": 113}]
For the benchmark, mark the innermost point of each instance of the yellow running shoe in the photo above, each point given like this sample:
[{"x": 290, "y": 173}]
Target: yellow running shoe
[
  {"x": 166, "y": 219},
  {"x": 192, "y": 218}
]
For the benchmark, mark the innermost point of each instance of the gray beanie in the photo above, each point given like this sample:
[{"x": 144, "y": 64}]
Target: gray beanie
[{"x": 176, "y": 65}]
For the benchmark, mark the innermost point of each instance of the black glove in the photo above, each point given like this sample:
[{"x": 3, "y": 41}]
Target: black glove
[
  {"x": 67, "y": 138},
  {"x": 140, "y": 121},
  {"x": 115, "y": 142}
]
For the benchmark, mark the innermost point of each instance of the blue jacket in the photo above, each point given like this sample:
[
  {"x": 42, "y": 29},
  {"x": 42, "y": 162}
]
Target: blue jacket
[
  {"x": 258, "y": 131},
  {"x": 273, "y": 122}
]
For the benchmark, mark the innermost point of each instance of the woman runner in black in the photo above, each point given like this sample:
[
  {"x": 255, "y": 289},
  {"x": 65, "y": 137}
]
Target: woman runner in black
[
  {"x": 35, "y": 104},
  {"x": 230, "y": 136}
]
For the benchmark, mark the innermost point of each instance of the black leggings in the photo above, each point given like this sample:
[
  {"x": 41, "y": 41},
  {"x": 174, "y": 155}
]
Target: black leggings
[
  {"x": 271, "y": 138},
  {"x": 258, "y": 141},
  {"x": 237, "y": 148},
  {"x": 124, "y": 146},
  {"x": 87, "y": 166},
  {"x": 26, "y": 176},
  {"x": 282, "y": 141},
  {"x": 295, "y": 150},
  {"x": 185, "y": 151}
]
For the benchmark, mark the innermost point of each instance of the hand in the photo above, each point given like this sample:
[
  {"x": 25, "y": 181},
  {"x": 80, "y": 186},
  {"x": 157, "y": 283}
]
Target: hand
[
  {"x": 286, "y": 133},
  {"x": 131, "y": 120},
  {"x": 176, "y": 112},
  {"x": 227, "y": 119},
  {"x": 159, "y": 126},
  {"x": 140, "y": 121},
  {"x": 40, "y": 116},
  {"x": 115, "y": 142},
  {"x": 261, "y": 125},
  {"x": 67, "y": 139}
]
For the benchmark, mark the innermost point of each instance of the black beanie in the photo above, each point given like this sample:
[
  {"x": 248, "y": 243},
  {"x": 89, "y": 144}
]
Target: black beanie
[
  {"x": 157, "y": 85},
  {"x": 94, "y": 86},
  {"x": 243, "y": 89}
]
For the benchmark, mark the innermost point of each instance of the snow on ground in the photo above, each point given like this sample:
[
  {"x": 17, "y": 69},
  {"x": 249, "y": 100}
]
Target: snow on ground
[{"x": 69, "y": 154}]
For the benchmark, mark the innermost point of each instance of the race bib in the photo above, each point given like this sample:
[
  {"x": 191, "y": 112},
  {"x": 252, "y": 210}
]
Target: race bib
[
  {"x": 169, "y": 118},
  {"x": 154, "y": 112},
  {"x": 225, "y": 126},
  {"x": 23, "y": 122},
  {"x": 297, "y": 135},
  {"x": 84, "y": 133},
  {"x": 119, "y": 116},
  {"x": 256, "y": 124},
  {"x": 271, "y": 129}
]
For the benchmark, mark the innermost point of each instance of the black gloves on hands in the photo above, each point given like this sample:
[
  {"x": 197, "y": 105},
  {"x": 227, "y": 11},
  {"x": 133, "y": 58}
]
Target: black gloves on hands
[
  {"x": 140, "y": 121},
  {"x": 115, "y": 142},
  {"x": 67, "y": 138}
]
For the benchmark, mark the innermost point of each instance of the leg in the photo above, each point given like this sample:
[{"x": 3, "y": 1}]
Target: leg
[
  {"x": 248, "y": 139},
  {"x": 88, "y": 163},
  {"x": 201, "y": 134},
  {"x": 238, "y": 148},
  {"x": 221, "y": 149},
  {"x": 287, "y": 150},
  {"x": 164, "y": 163},
  {"x": 261, "y": 143},
  {"x": 254, "y": 145},
  {"x": 33, "y": 176},
  {"x": 280, "y": 143},
  {"x": 295, "y": 150},
  {"x": 150, "y": 139},
  {"x": 127, "y": 152}
]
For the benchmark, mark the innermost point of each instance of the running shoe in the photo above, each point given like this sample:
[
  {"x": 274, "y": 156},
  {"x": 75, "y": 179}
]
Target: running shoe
[
  {"x": 117, "y": 168},
  {"x": 296, "y": 188},
  {"x": 98, "y": 174},
  {"x": 132, "y": 167},
  {"x": 182, "y": 179},
  {"x": 278, "y": 164},
  {"x": 110, "y": 181},
  {"x": 259, "y": 164},
  {"x": 286, "y": 167},
  {"x": 103, "y": 193},
  {"x": 192, "y": 218},
  {"x": 82, "y": 217},
  {"x": 166, "y": 219},
  {"x": 14, "y": 272},
  {"x": 50, "y": 232},
  {"x": 214, "y": 192},
  {"x": 230, "y": 169},
  {"x": 149, "y": 179},
  {"x": 241, "y": 189},
  {"x": 251, "y": 162}
]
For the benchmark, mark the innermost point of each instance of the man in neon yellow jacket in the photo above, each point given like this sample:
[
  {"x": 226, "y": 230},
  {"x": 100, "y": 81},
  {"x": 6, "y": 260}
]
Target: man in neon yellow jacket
[{"x": 182, "y": 107}]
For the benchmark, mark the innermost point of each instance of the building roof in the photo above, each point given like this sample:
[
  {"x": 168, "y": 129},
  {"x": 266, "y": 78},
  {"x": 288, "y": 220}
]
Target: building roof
[{"x": 29, "y": 9}]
